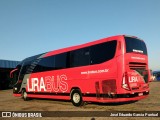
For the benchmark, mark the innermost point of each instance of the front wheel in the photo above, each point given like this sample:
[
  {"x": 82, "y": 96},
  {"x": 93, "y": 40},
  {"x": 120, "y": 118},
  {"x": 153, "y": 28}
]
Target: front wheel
[
  {"x": 76, "y": 98},
  {"x": 24, "y": 95}
]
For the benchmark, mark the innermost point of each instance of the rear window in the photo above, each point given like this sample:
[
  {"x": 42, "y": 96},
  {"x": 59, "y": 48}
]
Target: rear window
[{"x": 135, "y": 45}]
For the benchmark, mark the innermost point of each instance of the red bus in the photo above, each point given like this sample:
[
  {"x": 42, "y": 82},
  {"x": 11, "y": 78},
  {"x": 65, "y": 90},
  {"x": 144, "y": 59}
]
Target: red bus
[{"x": 113, "y": 69}]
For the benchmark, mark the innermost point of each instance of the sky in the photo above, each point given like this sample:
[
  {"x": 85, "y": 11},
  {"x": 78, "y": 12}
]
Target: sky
[{"x": 30, "y": 27}]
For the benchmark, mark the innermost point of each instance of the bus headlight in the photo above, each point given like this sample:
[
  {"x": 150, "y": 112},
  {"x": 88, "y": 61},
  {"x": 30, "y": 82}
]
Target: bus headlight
[{"x": 15, "y": 89}]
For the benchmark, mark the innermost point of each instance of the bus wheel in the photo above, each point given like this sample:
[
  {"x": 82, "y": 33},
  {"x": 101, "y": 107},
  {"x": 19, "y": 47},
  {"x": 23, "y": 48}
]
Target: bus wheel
[
  {"x": 24, "y": 95},
  {"x": 76, "y": 98}
]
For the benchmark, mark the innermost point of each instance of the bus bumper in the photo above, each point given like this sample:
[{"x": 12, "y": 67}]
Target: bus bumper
[
  {"x": 116, "y": 99},
  {"x": 17, "y": 95}
]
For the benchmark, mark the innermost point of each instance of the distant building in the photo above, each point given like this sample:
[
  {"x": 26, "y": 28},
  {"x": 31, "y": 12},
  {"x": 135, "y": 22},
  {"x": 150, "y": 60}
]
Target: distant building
[{"x": 5, "y": 67}]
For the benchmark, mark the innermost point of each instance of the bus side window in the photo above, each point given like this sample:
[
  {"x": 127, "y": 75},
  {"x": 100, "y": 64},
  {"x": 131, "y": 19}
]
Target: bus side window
[
  {"x": 80, "y": 57},
  {"x": 61, "y": 61},
  {"x": 103, "y": 52}
]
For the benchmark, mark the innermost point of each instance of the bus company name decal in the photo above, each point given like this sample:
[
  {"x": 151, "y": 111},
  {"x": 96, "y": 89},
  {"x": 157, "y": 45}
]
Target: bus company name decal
[
  {"x": 49, "y": 83},
  {"x": 95, "y": 71}
]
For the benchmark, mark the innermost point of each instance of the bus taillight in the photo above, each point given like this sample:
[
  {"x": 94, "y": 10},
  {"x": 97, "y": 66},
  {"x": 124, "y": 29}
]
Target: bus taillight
[{"x": 125, "y": 82}]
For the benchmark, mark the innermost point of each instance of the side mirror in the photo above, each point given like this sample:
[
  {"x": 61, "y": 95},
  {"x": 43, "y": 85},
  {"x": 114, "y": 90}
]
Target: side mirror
[{"x": 11, "y": 73}]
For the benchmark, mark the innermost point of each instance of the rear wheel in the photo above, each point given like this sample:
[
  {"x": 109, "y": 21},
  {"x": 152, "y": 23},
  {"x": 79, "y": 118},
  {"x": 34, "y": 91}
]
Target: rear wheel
[
  {"x": 24, "y": 95},
  {"x": 76, "y": 98}
]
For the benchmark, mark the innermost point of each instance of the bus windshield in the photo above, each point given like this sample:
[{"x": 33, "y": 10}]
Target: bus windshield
[{"x": 135, "y": 45}]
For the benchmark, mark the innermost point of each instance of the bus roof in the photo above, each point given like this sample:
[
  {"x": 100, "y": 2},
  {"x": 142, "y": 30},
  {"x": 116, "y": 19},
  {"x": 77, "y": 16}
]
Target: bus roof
[
  {"x": 82, "y": 45},
  {"x": 58, "y": 51}
]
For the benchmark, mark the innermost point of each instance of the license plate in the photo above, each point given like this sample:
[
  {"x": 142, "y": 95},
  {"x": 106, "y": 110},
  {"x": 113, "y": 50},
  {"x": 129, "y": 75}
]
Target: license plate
[{"x": 140, "y": 94}]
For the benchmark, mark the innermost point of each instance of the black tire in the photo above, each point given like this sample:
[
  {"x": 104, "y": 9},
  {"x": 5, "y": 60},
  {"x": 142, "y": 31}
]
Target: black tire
[
  {"x": 24, "y": 95},
  {"x": 76, "y": 98}
]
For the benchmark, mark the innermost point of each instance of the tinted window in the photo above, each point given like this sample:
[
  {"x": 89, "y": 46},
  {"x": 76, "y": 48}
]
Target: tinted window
[
  {"x": 103, "y": 52},
  {"x": 50, "y": 63},
  {"x": 24, "y": 69},
  {"x": 80, "y": 57},
  {"x": 135, "y": 45},
  {"x": 95, "y": 54},
  {"x": 33, "y": 58},
  {"x": 61, "y": 61},
  {"x": 44, "y": 64},
  {"x": 26, "y": 66}
]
